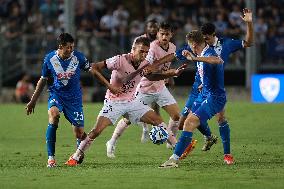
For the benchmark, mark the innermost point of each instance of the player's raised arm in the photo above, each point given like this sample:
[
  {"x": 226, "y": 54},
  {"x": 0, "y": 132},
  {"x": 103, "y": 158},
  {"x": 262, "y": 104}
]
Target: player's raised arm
[
  {"x": 39, "y": 88},
  {"x": 96, "y": 70},
  {"x": 247, "y": 17}
]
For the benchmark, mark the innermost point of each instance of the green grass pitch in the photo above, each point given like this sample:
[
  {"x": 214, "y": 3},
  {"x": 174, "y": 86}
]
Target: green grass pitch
[{"x": 257, "y": 139}]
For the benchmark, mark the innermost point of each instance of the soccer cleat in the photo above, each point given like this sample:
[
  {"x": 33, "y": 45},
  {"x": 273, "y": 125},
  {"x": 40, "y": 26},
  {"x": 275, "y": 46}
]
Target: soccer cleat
[
  {"x": 170, "y": 163},
  {"x": 51, "y": 163},
  {"x": 71, "y": 162},
  {"x": 228, "y": 159},
  {"x": 110, "y": 149},
  {"x": 188, "y": 149},
  {"x": 145, "y": 136},
  {"x": 209, "y": 142}
]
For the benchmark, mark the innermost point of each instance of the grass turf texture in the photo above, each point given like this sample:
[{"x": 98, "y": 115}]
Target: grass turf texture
[{"x": 256, "y": 139}]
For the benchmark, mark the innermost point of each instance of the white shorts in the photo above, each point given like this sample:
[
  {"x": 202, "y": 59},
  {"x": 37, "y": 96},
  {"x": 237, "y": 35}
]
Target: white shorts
[
  {"x": 162, "y": 98},
  {"x": 132, "y": 110}
]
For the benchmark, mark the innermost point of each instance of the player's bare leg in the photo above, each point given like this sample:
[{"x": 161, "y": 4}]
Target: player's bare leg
[
  {"x": 145, "y": 132},
  {"x": 173, "y": 111},
  {"x": 100, "y": 125},
  {"x": 80, "y": 135}
]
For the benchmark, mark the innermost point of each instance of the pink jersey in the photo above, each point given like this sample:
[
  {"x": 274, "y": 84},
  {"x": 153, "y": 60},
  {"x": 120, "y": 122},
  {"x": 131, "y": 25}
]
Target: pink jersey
[
  {"x": 155, "y": 53},
  {"x": 121, "y": 66},
  {"x": 144, "y": 35}
]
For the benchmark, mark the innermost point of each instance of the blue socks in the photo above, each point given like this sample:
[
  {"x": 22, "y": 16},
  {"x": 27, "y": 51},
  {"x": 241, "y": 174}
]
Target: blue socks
[
  {"x": 184, "y": 141},
  {"x": 51, "y": 139},
  {"x": 224, "y": 130},
  {"x": 204, "y": 129}
]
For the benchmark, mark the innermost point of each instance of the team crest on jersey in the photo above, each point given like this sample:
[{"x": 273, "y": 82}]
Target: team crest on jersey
[{"x": 269, "y": 88}]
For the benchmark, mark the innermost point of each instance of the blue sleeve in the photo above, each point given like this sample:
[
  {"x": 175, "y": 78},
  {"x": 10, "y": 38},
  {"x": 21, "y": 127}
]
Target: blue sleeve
[
  {"x": 45, "y": 71},
  {"x": 234, "y": 45},
  {"x": 178, "y": 53},
  {"x": 83, "y": 61}
]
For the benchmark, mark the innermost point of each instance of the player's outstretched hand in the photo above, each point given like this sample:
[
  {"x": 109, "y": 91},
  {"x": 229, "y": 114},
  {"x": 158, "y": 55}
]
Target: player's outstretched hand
[
  {"x": 180, "y": 69},
  {"x": 247, "y": 15},
  {"x": 189, "y": 56},
  {"x": 30, "y": 108}
]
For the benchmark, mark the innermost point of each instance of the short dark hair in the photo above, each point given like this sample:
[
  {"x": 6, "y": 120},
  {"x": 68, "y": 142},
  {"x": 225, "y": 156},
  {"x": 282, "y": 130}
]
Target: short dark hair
[
  {"x": 208, "y": 29},
  {"x": 166, "y": 26},
  {"x": 142, "y": 40},
  {"x": 195, "y": 36},
  {"x": 152, "y": 21},
  {"x": 65, "y": 38}
]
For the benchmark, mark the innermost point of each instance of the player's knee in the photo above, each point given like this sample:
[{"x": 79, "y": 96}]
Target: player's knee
[
  {"x": 158, "y": 120},
  {"x": 54, "y": 116},
  {"x": 191, "y": 123},
  {"x": 221, "y": 118}
]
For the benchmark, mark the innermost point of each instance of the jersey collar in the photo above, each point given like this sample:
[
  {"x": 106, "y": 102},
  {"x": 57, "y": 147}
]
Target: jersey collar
[
  {"x": 56, "y": 53},
  {"x": 215, "y": 42}
]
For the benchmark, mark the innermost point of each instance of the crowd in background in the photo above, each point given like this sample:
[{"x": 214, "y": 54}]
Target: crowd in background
[
  {"x": 119, "y": 21},
  {"x": 103, "y": 28}
]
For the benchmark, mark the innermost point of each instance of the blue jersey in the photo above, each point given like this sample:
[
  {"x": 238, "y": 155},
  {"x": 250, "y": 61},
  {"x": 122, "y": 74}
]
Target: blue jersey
[
  {"x": 211, "y": 75},
  {"x": 65, "y": 73},
  {"x": 225, "y": 46}
]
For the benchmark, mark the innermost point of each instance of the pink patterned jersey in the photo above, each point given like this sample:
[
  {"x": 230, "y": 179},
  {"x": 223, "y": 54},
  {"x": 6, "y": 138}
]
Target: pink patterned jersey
[
  {"x": 156, "y": 52},
  {"x": 144, "y": 35},
  {"x": 121, "y": 66}
]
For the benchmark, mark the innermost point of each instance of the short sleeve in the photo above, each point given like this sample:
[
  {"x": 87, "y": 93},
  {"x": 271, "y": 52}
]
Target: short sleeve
[
  {"x": 114, "y": 63},
  {"x": 84, "y": 63},
  {"x": 234, "y": 45},
  {"x": 45, "y": 71},
  {"x": 150, "y": 56}
]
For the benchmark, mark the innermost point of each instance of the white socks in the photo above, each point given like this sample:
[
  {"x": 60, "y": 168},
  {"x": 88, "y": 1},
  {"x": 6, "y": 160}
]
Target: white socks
[
  {"x": 145, "y": 127},
  {"x": 84, "y": 145},
  {"x": 119, "y": 129}
]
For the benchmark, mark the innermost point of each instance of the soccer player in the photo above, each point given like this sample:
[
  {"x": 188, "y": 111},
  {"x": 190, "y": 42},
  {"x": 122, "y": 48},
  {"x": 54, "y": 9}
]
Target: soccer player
[
  {"x": 211, "y": 71},
  {"x": 154, "y": 91},
  {"x": 223, "y": 47},
  {"x": 151, "y": 30},
  {"x": 63, "y": 67},
  {"x": 120, "y": 96}
]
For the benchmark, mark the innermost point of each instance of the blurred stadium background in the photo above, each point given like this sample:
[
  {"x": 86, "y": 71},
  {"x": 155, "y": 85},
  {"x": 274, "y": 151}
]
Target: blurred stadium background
[{"x": 103, "y": 28}]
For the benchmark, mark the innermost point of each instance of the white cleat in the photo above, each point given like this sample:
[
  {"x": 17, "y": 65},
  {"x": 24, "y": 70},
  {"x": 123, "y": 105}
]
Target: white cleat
[
  {"x": 171, "y": 163},
  {"x": 145, "y": 137},
  {"x": 110, "y": 150}
]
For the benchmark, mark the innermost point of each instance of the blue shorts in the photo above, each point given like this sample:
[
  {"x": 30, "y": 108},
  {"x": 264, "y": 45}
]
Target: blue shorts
[
  {"x": 72, "y": 108},
  {"x": 189, "y": 102},
  {"x": 208, "y": 107}
]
